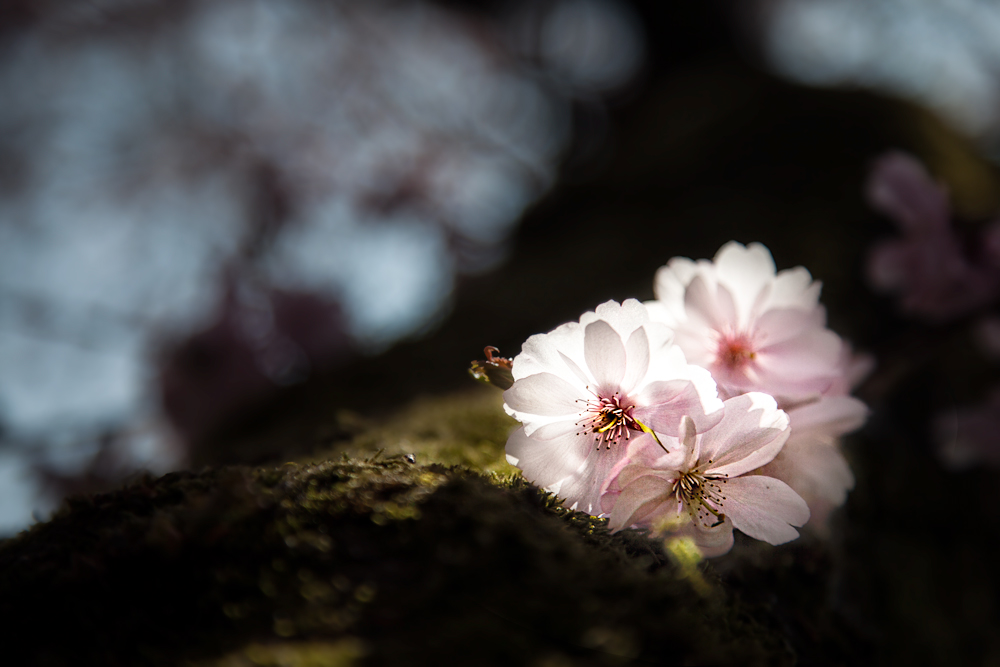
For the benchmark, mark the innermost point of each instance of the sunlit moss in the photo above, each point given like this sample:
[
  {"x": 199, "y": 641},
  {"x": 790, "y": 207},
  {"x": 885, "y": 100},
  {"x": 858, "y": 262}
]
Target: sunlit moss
[{"x": 468, "y": 429}]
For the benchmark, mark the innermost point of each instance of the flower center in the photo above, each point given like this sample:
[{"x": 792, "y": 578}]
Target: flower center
[
  {"x": 702, "y": 495},
  {"x": 735, "y": 351},
  {"x": 609, "y": 419}
]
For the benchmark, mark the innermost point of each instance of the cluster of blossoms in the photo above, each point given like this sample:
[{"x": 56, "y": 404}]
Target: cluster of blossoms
[{"x": 717, "y": 406}]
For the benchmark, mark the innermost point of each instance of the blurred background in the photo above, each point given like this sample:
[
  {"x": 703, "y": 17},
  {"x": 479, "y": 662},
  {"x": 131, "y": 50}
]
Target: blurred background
[{"x": 224, "y": 223}]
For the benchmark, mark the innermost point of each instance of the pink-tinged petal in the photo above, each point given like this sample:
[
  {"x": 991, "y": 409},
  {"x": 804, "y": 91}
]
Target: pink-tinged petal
[
  {"x": 764, "y": 508},
  {"x": 834, "y": 415},
  {"x": 779, "y": 325},
  {"x": 637, "y": 501},
  {"x": 645, "y": 451},
  {"x": 637, "y": 359},
  {"x": 813, "y": 468},
  {"x": 544, "y": 394},
  {"x": 751, "y": 433},
  {"x": 661, "y": 405},
  {"x": 812, "y": 353},
  {"x": 605, "y": 355},
  {"x": 545, "y": 462}
]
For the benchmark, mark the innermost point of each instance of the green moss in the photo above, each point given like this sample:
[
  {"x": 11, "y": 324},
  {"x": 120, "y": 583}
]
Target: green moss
[
  {"x": 468, "y": 429},
  {"x": 420, "y": 565}
]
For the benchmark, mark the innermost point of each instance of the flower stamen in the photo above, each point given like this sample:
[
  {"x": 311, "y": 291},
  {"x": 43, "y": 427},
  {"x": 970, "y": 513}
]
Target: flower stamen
[{"x": 702, "y": 496}]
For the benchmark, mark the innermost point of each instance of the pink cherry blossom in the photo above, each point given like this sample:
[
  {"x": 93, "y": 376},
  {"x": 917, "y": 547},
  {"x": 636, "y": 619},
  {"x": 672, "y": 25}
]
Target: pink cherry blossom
[
  {"x": 701, "y": 489},
  {"x": 753, "y": 328},
  {"x": 587, "y": 388}
]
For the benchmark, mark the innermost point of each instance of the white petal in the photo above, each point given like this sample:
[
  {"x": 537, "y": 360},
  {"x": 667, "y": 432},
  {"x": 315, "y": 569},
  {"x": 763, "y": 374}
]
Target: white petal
[
  {"x": 583, "y": 487},
  {"x": 605, "y": 355},
  {"x": 637, "y": 359},
  {"x": 764, "y": 508},
  {"x": 544, "y": 394},
  {"x": 545, "y": 462},
  {"x": 669, "y": 286},
  {"x": 541, "y": 352},
  {"x": 709, "y": 307},
  {"x": 745, "y": 271},
  {"x": 623, "y": 318},
  {"x": 794, "y": 288},
  {"x": 751, "y": 433}
]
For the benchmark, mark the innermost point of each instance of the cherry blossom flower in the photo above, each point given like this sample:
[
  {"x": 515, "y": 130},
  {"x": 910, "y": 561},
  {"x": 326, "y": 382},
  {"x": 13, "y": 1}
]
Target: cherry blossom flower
[
  {"x": 701, "y": 488},
  {"x": 753, "y": 328},
  {"x": 586, "y": 389}
]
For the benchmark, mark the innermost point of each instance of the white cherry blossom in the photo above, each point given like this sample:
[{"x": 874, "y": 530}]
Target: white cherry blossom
[
  {"x": 586, "y": 389},
  {"x": 701, "y": 488}
]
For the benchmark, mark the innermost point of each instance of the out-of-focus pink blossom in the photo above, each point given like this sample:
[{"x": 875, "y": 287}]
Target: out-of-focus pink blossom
[
  {"x": 701, "y": 488},
  {"x": 927, "y": 266},
  {"x": 969, "y": 436},
  {"x": 753, "y": 328},
  {"x": 587, "y": 388}
]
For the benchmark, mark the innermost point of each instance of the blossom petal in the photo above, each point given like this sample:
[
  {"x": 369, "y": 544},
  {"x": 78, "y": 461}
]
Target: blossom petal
[
  {"x": 812, "y": 353},
  {"x": 544, "y": 394},
  {"x": 708, "y": 307},
  {"x": 751, "y": 433},
  {"x": 816, "y": 470},
  {"x": 662, "y": 404},
  {"x": 637, "y": 359},
  {"x": 834, "y": 415},
  {"x": 605, "y": 355},
  {"x": 744, "y": 271},
  {"x": 624, "y": 318},
  {"x": 715, "y": 540},
  {"x": 764, "y": 508},
  {"x": 543, "y": 353},
  {"x": 637, "y": 501},
  {"x": 582, "y": 488},
  {"x": 794, "y": 288},
  {"x": 669, "y": 286},
  {"x": 781, "y": 324},
  {"x": 545, "y": 462}
]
